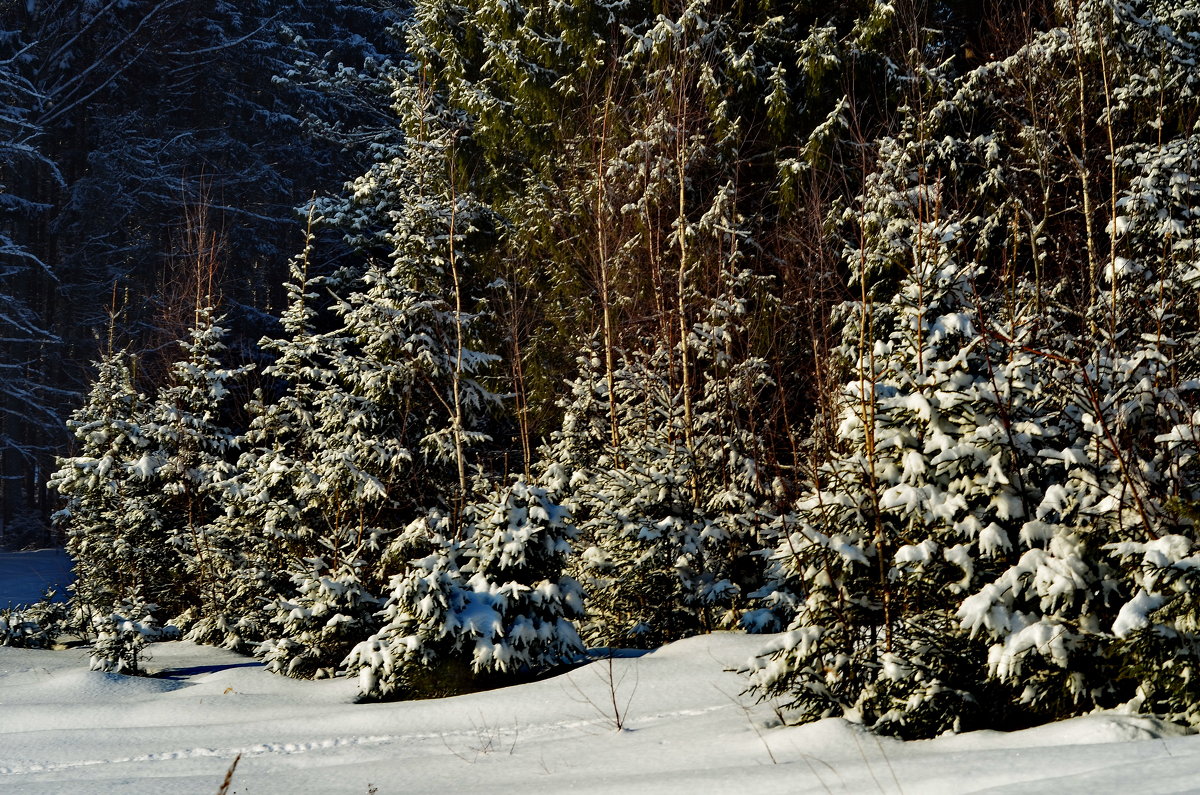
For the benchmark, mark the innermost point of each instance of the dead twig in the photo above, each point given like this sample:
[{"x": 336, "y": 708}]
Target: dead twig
[{"x": 224, "y": 790}]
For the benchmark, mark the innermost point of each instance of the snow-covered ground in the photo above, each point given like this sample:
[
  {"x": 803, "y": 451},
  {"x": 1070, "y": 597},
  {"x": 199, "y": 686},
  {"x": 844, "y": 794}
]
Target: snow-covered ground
[
  {"x": 687, "y": 730},
  {"x": 25, "y": 576}
]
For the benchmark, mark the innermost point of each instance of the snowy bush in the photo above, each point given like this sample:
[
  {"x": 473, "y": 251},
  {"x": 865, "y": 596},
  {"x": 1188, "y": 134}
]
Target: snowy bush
[
  {"x": 494, "y": 603},
  {"x": 122, "y": 636},
  {"x": 35, "y": 626}
]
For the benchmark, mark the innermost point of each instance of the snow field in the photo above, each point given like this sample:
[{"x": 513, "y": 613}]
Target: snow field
[
  {"x": 65, "y": 729},
  {"x": 69, "y": 730}
]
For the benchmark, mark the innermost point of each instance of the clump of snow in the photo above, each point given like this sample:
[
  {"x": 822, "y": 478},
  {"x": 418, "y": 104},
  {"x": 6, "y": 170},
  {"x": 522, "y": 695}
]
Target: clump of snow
[{"x": 1134, "y": 614}]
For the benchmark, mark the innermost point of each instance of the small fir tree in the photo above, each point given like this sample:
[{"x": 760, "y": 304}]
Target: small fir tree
[{"x": 491, "y": 604}]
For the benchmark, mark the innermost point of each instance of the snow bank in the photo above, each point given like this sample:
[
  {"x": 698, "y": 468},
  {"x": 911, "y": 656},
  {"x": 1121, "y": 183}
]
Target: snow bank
[
  {"x": 687, "y": 729},
  {"x": 64, "y": 729}
]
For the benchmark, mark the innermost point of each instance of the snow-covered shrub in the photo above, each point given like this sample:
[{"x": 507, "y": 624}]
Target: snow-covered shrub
[
  {"x": 492, "y": 604},
  {"x": 122, "y": 636},
  {"x": 34, "y": 626},
  {"x": 328, "y": 613}
]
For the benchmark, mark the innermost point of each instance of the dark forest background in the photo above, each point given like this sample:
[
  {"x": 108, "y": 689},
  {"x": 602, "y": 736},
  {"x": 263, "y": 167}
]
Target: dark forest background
[{"x": 133, "y": 134}]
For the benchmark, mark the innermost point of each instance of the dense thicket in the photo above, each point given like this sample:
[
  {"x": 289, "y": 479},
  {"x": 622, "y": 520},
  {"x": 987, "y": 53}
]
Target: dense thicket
[
  {"x": 1002, "y": 531},
  {"x": 873, "y": 325}
]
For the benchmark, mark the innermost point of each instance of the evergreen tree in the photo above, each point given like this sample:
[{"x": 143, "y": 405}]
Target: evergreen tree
[
  {"x": 672, "y": 511},
  {"x": 486, "y": 602},
  {"x": 1116, "y": 393},
  {"x": 142, "y": 491},
  {"x": 928, "y": 491},
  {"x": 195, "y": 447},
  {"x": 116, "y": 549},
  {"x": 936, "y": 606},
  {"x": 287, "y": 494},
  {"x": 388, "y": 402},
  {"x": 313, "y": 496}
]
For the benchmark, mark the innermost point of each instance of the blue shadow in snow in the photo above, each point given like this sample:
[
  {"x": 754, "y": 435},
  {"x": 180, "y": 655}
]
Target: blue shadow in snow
[{"x": 183, "y": 673}]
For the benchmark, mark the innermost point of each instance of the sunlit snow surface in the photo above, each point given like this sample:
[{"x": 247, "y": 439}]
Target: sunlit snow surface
[{"x": 68, "y": 730}]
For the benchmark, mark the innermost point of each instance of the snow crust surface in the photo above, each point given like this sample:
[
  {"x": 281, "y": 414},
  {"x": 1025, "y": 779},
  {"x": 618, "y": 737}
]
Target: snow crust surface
[{"x": 687, "y": 729}]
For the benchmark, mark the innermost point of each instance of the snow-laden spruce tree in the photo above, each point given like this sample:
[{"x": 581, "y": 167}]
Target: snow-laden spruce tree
[
  {"x": 640, "y": 549},
  {"x": 305, "y": 502},
  {"x": 927, "y": 491},
  {"x": 478, "y": 587},
  {"x": 116, "y": 553},
  {"x": 1089, "y": 613},
  {"x": 142, "y": 493},
  {"x": 1126, "y": 463},
  {"x": 382, "y": 411},
  {"x": 192, "y": 454},
  {"x": 1160, "y": 625},
  {"x": 486, "y": 602},
  {"x": 314, "y": 493},
  {"x": 121, "y": 636}
]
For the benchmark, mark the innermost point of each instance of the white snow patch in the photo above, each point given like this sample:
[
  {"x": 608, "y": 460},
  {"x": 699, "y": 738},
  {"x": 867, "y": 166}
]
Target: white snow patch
[{"x": 689, "y": 730}]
